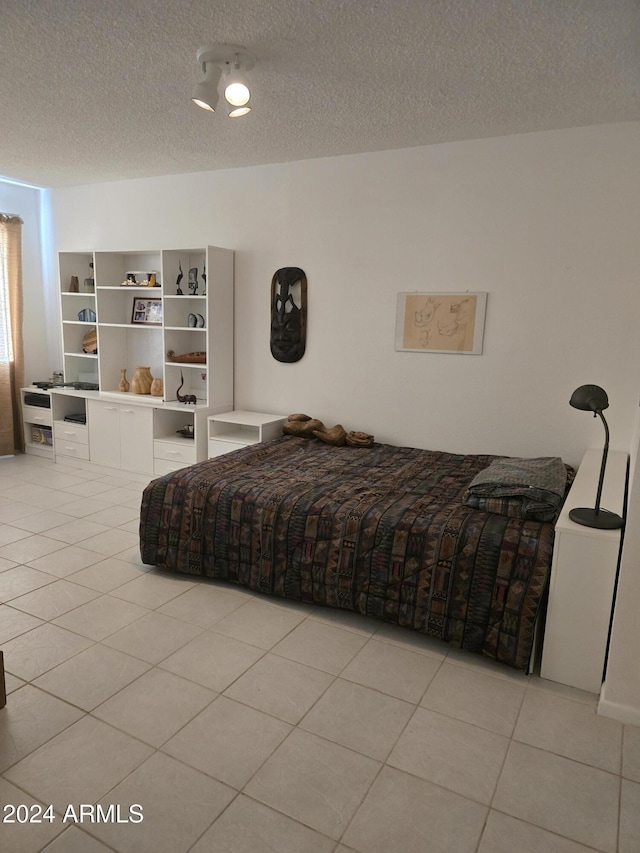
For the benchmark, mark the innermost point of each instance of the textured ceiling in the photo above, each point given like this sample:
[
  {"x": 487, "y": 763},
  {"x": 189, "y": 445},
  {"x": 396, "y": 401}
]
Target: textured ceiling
[{"x": 99, "y": 90}]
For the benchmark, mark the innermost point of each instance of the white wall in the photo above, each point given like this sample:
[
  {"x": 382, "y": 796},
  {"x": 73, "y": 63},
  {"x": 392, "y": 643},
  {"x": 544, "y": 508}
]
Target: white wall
[
  {"x": 546, "y": 223},
  {"x": 40, "y": 309}
]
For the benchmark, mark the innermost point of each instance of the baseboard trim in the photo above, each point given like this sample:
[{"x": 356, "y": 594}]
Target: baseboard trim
[{"x": 624, "y": 713}]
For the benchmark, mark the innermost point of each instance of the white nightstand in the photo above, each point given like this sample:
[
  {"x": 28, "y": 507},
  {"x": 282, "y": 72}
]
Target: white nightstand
[
  {"x": 585, "y": 562},
  {"x": 232, "y": 430}
]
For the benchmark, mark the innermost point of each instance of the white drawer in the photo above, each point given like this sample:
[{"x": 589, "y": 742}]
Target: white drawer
[
  {"x": 161, "y": 466},
  {"x": 217, "y": 448},
  {"x": 171, "y": 451},
  {"x": 36, "y": 415},
  {"x": 71, "y": 448},
  {"x": 66, "y": 431}
]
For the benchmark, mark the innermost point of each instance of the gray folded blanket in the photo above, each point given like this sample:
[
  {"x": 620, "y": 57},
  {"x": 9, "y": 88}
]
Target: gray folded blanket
[{"x": 522, "y": 488}]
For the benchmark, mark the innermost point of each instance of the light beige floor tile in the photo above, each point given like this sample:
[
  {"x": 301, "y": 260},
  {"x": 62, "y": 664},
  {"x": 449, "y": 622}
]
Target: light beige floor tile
[
  {"x": 258, "y": 623},
  {"x": 155, "y": 706},
  {"x": 11, "y": 533},
  {"x": 79, "y": 508},
  {"x": 30, "y": 549},
  {"x": 448, "y": 752},
  {"x": 14, "y": 622},
  {"x": 345, "y": 619},
  {"x": 392, "y": 669},
  {"x": 132, "y": 555},
  {"x": 505, "y": 834},
  {"x": 92, "y": 676},
  {"x": 178, "y": 805},
  {"x": 320, "y": 645},
  {"x": 475, "y": 697},
  {"x": 33, "y": 494},
  {"x": 10, "y": 510},
  {"x": 57, "y": 478},
  {"x": 101, "y": 617},
  {"x": 20, "y": 580},
  {"x": 629, "y": 817},
  {"x": 570, "y": 728},
  {"x": 414, "y": 640},
  {"x": 203, "y": 604},
  {"x": 410, "y": 815},
  {"x": 153, "y": 637},
  {"x": 66, "y": 561},
  {"x": 28, "y": 720},
  {"x": 80, "y": 765},
  {"x": 114, "y": 516},
  {"x": 250, "y": 827},
  {"x": 75, "y": 530},
  {"x": 38, "y": 522},
  {"x": 564, "y": 690},
  {"x": 560, "y": 795},
  {"x": 54, "y": 599},
  {"x": 280, "y": 687},
  {"x": 21, "y": 838},
  {"x": 39, "y": 650},
  {"x": 212, "y": 660},
  {"x": 478, "y": 662},
  {"x": 89, "y": 488},
  {"x": 152, "y": 589},
  {"x": 228, "y": 741},
  {"x": 106, "y": 575},
  {"x": 5, "y": 564},
  {"x": 12, "y": 683},
  {"x": 111, "y": 542},
  {"x": 123, "y": 496},
  {"x": 359, "y": 718},
  {"x": 630, "y": 752},
  {"x": 314, "y": 781},
  {"x": 74, "y": 840}
]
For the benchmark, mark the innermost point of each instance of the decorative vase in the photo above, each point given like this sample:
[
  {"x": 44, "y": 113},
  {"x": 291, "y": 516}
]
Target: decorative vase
[
  {"x": 141, "y": 381},
  {"x": 157, "y": 388},
  {"x": 124, "y": 382}
]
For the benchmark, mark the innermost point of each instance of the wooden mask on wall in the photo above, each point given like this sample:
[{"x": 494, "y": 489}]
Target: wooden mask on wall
[{"x": 288, "y": 314}]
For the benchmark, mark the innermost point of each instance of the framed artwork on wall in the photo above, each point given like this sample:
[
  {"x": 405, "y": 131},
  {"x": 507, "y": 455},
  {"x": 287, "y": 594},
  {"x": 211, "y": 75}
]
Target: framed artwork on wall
[
  {"x": 441, "y": 322},
  {"x": 147, "y": 312}
]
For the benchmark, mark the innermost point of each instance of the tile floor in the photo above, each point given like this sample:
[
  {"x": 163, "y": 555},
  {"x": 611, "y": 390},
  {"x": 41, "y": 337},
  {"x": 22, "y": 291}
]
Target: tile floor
[{"x": 238, "y": 723}]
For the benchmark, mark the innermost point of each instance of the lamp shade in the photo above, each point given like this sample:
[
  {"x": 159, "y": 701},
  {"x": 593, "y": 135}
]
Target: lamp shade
[{"x": 589, "y": 398}]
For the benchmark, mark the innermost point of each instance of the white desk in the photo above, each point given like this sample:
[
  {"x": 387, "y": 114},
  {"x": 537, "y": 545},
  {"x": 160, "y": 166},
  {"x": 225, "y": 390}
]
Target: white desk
[{"x": 583, "y": 574}]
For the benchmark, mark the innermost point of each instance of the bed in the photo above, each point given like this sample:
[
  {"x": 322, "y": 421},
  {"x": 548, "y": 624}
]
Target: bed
[{"x": 385, "y": 531}]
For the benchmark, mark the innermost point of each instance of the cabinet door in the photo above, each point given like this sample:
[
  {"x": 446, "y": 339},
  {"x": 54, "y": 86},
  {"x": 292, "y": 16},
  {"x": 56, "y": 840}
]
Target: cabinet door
[
  {"x": 136, "y": 439},
  {"x": 103, "y": 422}
]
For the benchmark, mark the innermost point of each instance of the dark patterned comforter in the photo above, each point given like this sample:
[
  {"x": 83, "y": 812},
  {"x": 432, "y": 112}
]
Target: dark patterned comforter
[{"x": 382, "y": 531}]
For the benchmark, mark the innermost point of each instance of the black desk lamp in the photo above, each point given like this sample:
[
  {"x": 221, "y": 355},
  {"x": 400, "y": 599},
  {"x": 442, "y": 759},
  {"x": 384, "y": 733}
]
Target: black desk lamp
[{"x": 592, "y": 398}]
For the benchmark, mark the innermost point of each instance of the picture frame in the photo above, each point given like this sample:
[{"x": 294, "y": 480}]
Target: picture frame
[
  {"x": 146, "y": 312},
  {"x": 441, "y": 321}
]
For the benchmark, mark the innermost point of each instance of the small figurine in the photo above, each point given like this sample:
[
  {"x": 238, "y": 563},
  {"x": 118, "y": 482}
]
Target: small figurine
[
  {"x": 185, "y": 398},
  {"x": 204, "y": 280},
  {"x": 178, "y": 280},
  {"x": 193, "y": 281}
]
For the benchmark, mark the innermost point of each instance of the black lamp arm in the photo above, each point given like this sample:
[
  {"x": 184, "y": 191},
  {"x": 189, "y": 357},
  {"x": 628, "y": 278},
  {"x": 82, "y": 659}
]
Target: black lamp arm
[{"x": 604, "y": 460}]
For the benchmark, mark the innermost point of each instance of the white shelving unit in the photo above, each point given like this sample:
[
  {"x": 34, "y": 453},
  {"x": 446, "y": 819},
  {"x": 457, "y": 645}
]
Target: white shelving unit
[
  {"x": 231, "y": 430},
  {"x": 193, "y": 320},
  {"x": 37, "y": 421}
]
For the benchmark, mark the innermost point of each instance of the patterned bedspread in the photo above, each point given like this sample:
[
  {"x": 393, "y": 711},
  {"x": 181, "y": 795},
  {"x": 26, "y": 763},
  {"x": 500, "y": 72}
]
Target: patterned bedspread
[{"x": 382, "y": 531}]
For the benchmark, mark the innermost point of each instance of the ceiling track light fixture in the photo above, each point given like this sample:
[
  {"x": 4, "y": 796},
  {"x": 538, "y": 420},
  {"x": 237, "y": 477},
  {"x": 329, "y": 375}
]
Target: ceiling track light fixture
[{"x": 231, "y": 62}]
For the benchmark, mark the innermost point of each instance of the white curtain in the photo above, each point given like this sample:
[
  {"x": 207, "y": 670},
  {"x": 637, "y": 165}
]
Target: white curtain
[{"x": 11, "y": 346}]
